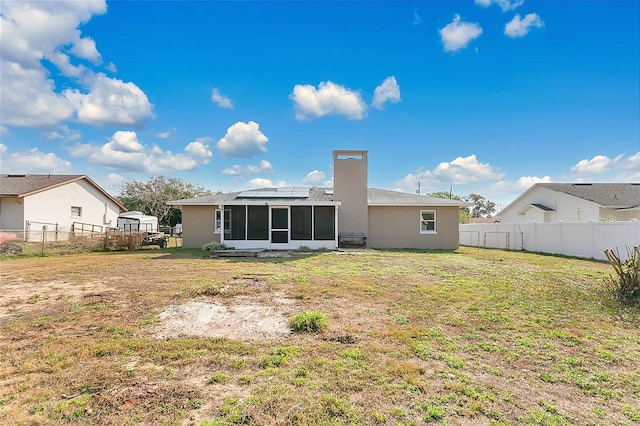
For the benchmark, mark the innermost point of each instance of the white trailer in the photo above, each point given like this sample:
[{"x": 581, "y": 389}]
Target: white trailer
[{"x": 137, "y": 222}]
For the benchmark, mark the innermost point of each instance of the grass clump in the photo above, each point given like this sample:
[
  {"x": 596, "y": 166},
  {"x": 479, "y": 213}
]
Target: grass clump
[
  {"x": 213, "y": 246},
  {"x": 308, "y": 322},
  {"x": 625, "y": 286}
]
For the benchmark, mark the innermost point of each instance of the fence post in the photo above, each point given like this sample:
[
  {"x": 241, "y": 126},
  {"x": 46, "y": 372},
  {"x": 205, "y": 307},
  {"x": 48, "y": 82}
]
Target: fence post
[{"x": 44, "y": 237}]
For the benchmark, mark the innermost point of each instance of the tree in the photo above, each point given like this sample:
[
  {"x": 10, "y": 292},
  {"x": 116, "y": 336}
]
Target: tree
[
  {"x": 463, "y": 213},
  {"x": 151, "y": 197},
  {"x": 481, "y": 206}
]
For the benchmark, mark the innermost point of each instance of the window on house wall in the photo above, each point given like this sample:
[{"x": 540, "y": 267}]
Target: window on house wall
[
  {"x": 76, "y": 211},
  {"x": 324, "y": 228},
  {"x": 301, "y": 227},
  {"x": 227, "y": 222},
  {"x": 427, "y": 221}
]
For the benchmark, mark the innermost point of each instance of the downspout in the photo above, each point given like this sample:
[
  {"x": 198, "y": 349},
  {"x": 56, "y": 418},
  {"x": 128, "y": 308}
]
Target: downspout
[
  {"x": 221, "y": 208},
  {"x": 335, "y": 234}
]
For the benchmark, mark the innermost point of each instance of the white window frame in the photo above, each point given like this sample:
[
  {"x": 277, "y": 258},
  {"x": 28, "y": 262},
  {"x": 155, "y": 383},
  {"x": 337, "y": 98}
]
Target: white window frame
[
  {"x": 424, "y": 221},
  {"x": 76, "y": 209},
  {"x": 217, "y": 218}
]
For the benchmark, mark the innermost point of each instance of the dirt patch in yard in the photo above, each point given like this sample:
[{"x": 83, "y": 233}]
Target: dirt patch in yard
[
  {"x": 247, "y": 319},
  {"x": 20, "y": 296}
]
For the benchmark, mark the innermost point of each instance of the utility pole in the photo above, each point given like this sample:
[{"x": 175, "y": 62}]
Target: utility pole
[{"x": 418, "y": 190}]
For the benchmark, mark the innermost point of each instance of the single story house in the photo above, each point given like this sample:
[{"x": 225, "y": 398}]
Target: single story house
[
  {"x": 574, "y": 202},
  {"x": 63, "y": 203},
  {"x": 288, "y": 218}
]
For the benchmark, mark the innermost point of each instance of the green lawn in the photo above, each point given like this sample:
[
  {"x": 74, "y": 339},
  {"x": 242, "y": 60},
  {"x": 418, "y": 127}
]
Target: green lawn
[{"x": 471, "y": 336}]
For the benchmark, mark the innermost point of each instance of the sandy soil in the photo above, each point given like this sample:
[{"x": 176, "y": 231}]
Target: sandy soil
[
  {"x": 21, "y": 295},
  {"x": 246, "y": 319}
]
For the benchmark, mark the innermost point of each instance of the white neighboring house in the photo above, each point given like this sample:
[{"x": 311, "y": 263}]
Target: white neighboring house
[
  {"x": 64, "y": 201},
  {"x": 574, "y": 202}
]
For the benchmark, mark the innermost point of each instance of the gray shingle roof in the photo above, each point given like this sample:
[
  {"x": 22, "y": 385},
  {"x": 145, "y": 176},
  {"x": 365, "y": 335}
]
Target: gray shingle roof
[
  {"x": 379, "y": 197},
  {"x": 611, "y": 195},
  {"x": 391, "y": 198},
  {"x": 17, "y": 185},
  {"x": 20, "y": 185}
]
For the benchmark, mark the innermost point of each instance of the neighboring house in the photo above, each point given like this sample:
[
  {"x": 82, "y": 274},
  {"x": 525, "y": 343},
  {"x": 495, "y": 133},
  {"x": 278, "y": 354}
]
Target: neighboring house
[
  {"x": 288, "y": 218},
  {"x": 574, "y": 202},
  {"x": 28, "y": 202}
]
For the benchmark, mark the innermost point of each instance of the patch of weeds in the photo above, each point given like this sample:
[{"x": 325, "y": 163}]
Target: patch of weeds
[
  {"x": 605, "y": 355},
  {"x": 237, "y": 363},
  {"x": 398, "y": 319},
  {"x": 631, "y": 413},
  {"x": 625, "y": 286},
  {"x": 355, "y": 354},
  {"x": 379, "y": 417},
  {"x": 73, "y": 408},
  {"x": 213, "y": 246},
  {"x": 567, "y": 338},
  {"x": 217, "y": 378},
  {"x": 453, "y": 361},
  {"x": 540, "y": 416},
  {"x": 42, "y": 320},
  {"x": 599, "y": 412},
  {"x": 398, "y": 413},
  {"x": 433, "y": 412},
  {"x": 116, "y": 331},
  {"x": 246, "y": 379},
  {"x": 273, "y": 360},
  {"x": 547, "y": 377},
  {"x": 308, "y": 322},
  {"x": 334, "y": 406},
  {"x": 490, "y": 346}
]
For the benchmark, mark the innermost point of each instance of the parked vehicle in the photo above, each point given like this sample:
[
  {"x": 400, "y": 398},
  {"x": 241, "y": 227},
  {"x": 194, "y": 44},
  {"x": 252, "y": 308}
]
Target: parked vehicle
[{"x": 135, "y": 222}]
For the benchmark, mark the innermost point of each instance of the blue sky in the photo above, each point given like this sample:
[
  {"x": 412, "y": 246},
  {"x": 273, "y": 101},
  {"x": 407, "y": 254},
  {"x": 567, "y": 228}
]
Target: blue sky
[{"x": 485, "y": 96}]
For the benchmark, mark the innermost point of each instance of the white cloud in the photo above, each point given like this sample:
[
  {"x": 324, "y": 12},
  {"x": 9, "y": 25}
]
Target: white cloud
[
  {"x": 243, "y": 140},
  {"x": 166, "y": 134},
  {"x": 112, "y": 101},
  {"x": 4, "y": 130},
  {"x": 222, "y": 101},
  {"x": 64, "y": 133},
  {"x": 457, "y": 34},
  {"x": 388, "y": 90},
  {"x": 526, "y": 181},
  {"x": 417, "y": 20},
  {"x": 520, "y": 27},
  {"x": 460, "y": 171},
  {"x": 328, "y": 99},
  {"x": 32, "y": 161},
  {"x": 237, "y": 170},
  {"x": 125, "y": 152},
  {"x": 630, "y": 168},
  {"x": 33, "y": 32},
  {"x": 598, "y": 165},
  {"x": 316, "y": 177},
  {"x": 505, "y": 5},
  {"x": 264, "y": 183},
  {"x": 111, "y": 67}
]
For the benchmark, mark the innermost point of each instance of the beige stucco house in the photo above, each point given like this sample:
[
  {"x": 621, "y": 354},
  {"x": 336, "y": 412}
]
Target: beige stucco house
[
  {"x": 29, "y": 202},
  {"x": 574, "y": 202},
  {"x": 288, "y": 218}
]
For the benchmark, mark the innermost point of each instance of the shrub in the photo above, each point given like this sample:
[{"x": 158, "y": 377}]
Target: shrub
[
  {"x": 308, "y": 322},
  {"x": 625, "y": 286},
  {"x": 214, "y": 245}
]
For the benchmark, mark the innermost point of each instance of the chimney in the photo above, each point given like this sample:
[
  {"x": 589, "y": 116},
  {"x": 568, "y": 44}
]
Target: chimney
[{"x": 350, "y": 188}]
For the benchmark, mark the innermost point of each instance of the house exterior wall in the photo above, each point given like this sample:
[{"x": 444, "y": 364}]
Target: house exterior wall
[
  {"x": 615, "y": 215},
  {"x": 399, "y": 227},
  {"x": 54, "y": 206},
  {"x": 11, "y": 214},
  {"x": 197, "y": 226},
  {"x": 567, "y": 208},
  {"x": 350, "y": 188}
]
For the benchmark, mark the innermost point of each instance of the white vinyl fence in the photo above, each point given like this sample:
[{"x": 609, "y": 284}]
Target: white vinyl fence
[{"x": 581, "y": 239}]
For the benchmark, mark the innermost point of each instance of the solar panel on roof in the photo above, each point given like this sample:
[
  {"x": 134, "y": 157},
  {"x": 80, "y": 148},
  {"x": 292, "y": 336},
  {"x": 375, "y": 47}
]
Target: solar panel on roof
[{"x": 283, "y": 192}]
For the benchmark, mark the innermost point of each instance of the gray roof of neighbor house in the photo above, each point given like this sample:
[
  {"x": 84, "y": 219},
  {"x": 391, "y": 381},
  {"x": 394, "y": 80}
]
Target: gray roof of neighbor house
[
  {"x": 22, "y": 185},
  {"x": 376, "y": 197},
  {"x": 611, "y": 195}
]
